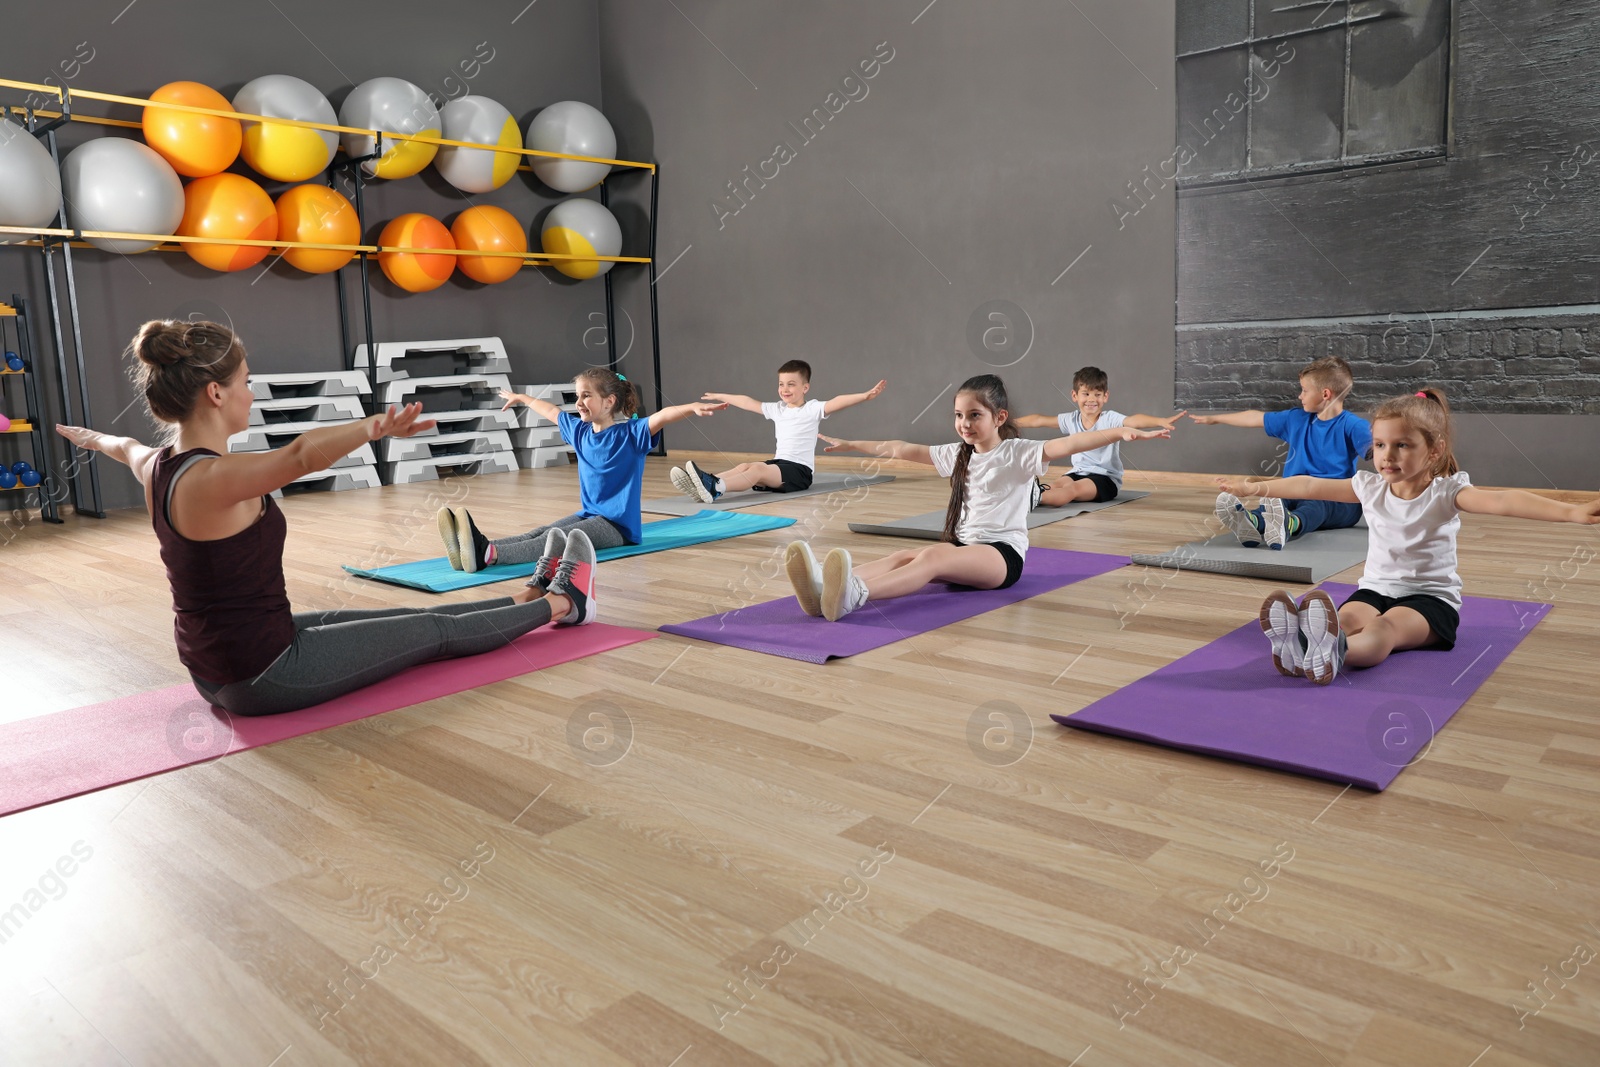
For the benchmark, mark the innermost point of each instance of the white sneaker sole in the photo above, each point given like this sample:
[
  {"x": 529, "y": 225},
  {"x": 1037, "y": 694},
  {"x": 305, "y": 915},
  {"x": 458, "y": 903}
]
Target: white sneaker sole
[
  {"x": 463, "y": 525},
  {"x": 447, "y": 534},
  {"x": 1276, "y": 521},
  {"x": 1280, "y": 621},
  {"x": 1231, "y": 513},
  {"x": 836, "y": 585},
  {"x": 684, "y": 484},
  {"x": 803, "y": 572},
  {"x": 1319, "y": 622},
  {"x": 697, "y": 488}
]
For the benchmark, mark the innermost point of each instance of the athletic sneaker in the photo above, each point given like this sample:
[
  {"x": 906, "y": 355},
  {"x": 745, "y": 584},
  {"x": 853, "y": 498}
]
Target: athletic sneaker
[
  {"x": 477, "y": 558},
  {"x": 683, "y": 483},
  {"x": 1274, "y": 527},
  {"x": 842, "y": 591},
  {"x": 1280, "y": 621},
  {"x": 574, "y": 579},
  {"x": 555, "y": 546},
  {"x": 1233, "y": 514},
  {"x": 1035, "y": 494},
  {"x": 1321, "y": 637},
  {"x": 703, "y": 484},
  {"x": 447, "y": 534},
  {"x": 805, "y": 575}
]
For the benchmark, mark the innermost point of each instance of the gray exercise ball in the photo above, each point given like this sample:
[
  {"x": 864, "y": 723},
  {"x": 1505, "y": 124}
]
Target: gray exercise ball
[
  {"x": 116, "y": 184},
  {"x": 577, "y": 129},
  {"x": 30, "y": 193}
]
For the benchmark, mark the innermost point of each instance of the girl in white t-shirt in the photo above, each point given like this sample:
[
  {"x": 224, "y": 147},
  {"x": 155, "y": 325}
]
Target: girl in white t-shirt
[
  {"x": 1409, "y": 595},
  {"x": 991, "y": 472}
]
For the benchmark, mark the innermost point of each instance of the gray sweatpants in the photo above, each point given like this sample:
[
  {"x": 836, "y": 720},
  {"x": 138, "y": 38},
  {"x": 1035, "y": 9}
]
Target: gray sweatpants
[
  {"x": 336, "y": 652},
  {"x": 528, "y": 547}
]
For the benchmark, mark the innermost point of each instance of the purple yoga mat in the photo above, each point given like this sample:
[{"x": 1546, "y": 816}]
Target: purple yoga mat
[
  {"x": 1227, "y": 699},
  {"x": 780, "y": 628}
]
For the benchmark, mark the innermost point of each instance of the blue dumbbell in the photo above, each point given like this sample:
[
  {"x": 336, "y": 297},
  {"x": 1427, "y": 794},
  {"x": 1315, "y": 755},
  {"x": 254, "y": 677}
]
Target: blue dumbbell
[
  {"x": 7, "y": 479},
  {"x": 30, "y": 478},
  {"x": 14, "y": 362},
  {"x": 21, "y": 467}
]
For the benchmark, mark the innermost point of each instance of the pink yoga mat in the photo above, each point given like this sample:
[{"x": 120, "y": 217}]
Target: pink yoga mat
[{"x": 68, "y": 753}]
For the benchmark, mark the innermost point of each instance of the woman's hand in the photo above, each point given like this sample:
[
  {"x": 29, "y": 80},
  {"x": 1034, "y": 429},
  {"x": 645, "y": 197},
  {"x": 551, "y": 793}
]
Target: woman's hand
[
  {"x": 400, "y": 423},
  {"x": 83, "y": 437}
]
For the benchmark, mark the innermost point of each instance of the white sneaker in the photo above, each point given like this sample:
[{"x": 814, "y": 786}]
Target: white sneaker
[
  {"x": 1274, "y": 523},
  {"x": 1324, "y": 639},
  {"x": 555, "y": 546},
  {"x": 447, "y": 534},
  {"x": 805, "y": 575},
  {"x": 574, "y": 579},
  {"x": 842, "y": 591},
  {"x": 1280, "y": 621},
  {"x": 1230, "y": 510}
]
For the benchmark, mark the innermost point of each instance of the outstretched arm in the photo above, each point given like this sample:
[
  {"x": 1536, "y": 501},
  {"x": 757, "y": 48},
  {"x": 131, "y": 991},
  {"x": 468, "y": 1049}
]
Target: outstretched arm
[
  {"x": 1036, "y": 422},
  {"x": 545, "y": 409},
  {"x": 1061, "y": 447},
  {"x": 906, "y": 450},
  {"x": 1252, "y": 419},
  {"x": 1300, "y": 487},
  {"x": 1153, "y": 422},
  {"x": 682, "y": 411},
  {"x": 1519, "y": 504},
  {"x": 139, "y": 457},
  {"x": 738, "y": 400},
  {"x": 845, "y": 400}
]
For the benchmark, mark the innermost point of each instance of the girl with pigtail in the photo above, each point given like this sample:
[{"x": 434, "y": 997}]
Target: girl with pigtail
[
  {"x": 1409, "y": 595},
  {"x": 992, "y": 472},
  {"x": 611, "y": 446}
]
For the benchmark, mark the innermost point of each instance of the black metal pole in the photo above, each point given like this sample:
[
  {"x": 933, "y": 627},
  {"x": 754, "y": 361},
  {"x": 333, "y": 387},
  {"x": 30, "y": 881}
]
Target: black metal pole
[
  {"x": 655, "y": 328},
  {"x": 346, "y": 353},
  {"x": 58, "y": 343},
  {"x": 611, "y": 305},
  {"x": 83, "y": 378},
  {"x": 41, "y": 436},
  {"x": 373, "y": 404}
]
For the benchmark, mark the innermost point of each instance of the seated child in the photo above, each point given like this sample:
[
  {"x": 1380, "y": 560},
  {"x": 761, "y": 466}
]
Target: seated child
[
  {"x": 1325, "y": 441},
  {"x": 1096, "y": 475},
  {"x": 795, "y": 419}
]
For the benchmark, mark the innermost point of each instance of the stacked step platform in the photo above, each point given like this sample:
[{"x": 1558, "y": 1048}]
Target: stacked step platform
[
  {"x": 538, "y": 441},
  {"x": 287, "y": 405},
  {"x": 458, "y": 383}
]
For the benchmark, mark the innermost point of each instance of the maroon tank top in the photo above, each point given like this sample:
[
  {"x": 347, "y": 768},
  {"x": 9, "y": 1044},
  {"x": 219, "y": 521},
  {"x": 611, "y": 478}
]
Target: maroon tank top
[{"x": 232, "y": 611}]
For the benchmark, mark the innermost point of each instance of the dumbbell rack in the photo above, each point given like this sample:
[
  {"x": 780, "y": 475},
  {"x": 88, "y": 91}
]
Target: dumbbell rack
[
  {"x": 538, "y": 440},
  {"x": 31, "y": 428},
  {"x": 473, "y": 435},
  {"x": 287, "y": 405}
]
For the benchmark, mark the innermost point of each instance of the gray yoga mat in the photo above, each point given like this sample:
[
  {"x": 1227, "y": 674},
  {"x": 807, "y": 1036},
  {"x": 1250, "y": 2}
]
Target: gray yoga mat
[
  {"x": 830, "y": 482},
  {"x": 930, "y": 526},
  {"x": 1308, "y": 560}
]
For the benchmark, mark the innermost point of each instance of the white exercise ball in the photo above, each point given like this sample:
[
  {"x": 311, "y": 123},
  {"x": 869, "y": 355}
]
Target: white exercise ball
[
  {"x": 30, "y": 189},
  {"x": 577, "y": 129},
  {"x": 580, "y": 227},
  {"x": 478, "y": 120},
  {"x": 116, "y": 184},
  {"x": 390, "y": 105}
]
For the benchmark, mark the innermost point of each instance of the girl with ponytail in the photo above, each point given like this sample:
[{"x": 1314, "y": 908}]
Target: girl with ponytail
[
  {"x": 1409, "y": 595},
  {"x": 611, "y": 443},
  {"x": 992, "y": 473}
]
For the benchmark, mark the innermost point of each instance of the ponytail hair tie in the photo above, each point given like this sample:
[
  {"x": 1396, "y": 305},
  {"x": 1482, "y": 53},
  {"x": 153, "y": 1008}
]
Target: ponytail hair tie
[
  {"x": 624, "y": 377},
  {"x": 1424, "y": 396}
]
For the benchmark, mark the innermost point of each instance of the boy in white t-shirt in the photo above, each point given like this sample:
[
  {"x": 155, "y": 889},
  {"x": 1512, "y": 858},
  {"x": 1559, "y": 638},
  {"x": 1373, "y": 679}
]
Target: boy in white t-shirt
[
  {"x": 1096, "y": 475},
  {"x": 795, "y": 419}
]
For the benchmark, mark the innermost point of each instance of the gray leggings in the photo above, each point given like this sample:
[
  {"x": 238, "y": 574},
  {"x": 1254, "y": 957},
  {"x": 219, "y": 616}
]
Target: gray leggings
[
  {"x": 528, "y": 547},
  {"x": 336, "y": 652}
]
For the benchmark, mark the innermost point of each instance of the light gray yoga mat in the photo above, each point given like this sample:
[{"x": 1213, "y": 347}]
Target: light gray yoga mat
[
  {"x": 1311, "y": 559},
  {"x": 930, "y": 526},
  {"x": 830, "y": 482}
]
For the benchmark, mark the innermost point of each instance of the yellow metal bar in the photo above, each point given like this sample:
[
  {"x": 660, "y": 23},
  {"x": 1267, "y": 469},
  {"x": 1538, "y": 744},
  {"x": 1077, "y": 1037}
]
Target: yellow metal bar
[{"x": 94, "y": 120}]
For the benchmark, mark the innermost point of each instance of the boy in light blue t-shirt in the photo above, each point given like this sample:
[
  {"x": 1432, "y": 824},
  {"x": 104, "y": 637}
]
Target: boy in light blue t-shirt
[{"x": 1325, "y": 441}]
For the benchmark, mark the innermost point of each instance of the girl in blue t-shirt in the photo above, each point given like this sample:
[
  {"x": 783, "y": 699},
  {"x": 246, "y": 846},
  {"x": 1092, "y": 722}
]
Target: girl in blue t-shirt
[{"x": 611, "y": 445}]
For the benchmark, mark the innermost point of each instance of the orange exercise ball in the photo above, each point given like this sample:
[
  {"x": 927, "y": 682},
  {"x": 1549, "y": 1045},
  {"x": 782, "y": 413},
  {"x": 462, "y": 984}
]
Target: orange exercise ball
[
  {"x": 317, "y": 214},
  {"x": 486, "y": 228},
  {"x": 416, "y": 271},
  {"x": 196, "y": 145},
  {"x": 227, "y": 205}
]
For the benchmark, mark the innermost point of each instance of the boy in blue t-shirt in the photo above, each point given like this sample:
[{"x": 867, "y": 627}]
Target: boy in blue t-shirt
[{"x": 1325, "y": 441}]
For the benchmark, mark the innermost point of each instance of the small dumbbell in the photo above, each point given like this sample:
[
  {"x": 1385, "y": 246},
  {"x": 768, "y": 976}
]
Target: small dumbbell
[
  {"x": 29, "y": 478},
  {"x": 7, "y": 479},
  {"x": 21, "y": 467},
  {"x": 14, "y": 362}
]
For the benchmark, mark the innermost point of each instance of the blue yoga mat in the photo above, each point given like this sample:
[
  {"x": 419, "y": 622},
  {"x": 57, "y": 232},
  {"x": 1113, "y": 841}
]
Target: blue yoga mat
[{"x": 437, "y": 576}]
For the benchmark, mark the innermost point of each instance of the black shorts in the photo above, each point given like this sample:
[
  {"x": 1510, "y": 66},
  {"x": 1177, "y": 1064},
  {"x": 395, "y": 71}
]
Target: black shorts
[
  {"x": 1441, "y": 617},
  {"x": 1010, "y": 555},
  {"x": 796, "y": 477},
  {"x": 1104, "y": 488}
]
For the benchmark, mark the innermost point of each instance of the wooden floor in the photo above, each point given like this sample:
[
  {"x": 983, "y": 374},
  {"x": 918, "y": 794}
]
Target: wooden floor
[{"x": 682, "y": 854}]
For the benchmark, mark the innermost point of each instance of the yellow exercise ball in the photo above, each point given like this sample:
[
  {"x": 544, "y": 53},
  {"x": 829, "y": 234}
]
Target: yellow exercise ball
[
  {"x": 390, "y": 105},
  {"x": 286, "y": 153}
]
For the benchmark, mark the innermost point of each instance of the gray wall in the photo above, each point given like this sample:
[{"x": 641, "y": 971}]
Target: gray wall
[
  {"x": 975, "y": 168},
  {"x": 289, "y": 320},
  {"x": 1479, "y": 273}
]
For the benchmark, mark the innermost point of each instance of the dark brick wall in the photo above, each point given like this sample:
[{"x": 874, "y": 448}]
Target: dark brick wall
[{"x": 1540, "y": 364}]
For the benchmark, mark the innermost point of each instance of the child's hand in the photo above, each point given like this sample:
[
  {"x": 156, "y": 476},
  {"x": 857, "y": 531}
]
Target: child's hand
[
  {"x": 1130, "y": 434},
  {"x": 1172, "y": 420},
  {"x": 877, "y": 390},
  {"x": 836, "y": 444},
  {"x": 1589, "y": 514},
  {"x": 703, "y": 409},
  {"x": 1240, "y": 487},
  {"x": 1205, "y": 420},
  {"x": 511, "y": 399},
  {"x": 401, "y": 423},
  {"x": 716, "y": 398}
]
